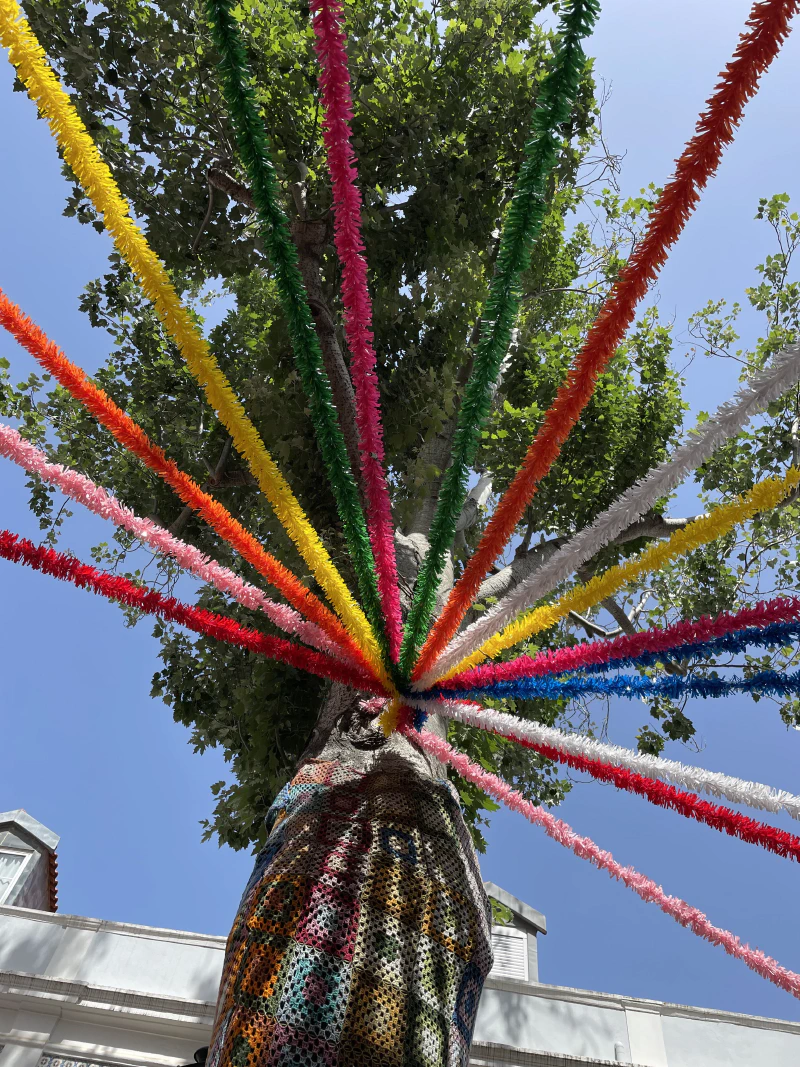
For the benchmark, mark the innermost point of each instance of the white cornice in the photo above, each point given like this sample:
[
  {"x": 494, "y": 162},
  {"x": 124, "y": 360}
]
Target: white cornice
[
  {"x": 60, "y": 996},
  {"x": 80, "y": 922},
  {"x": 615, "y": 1000}
]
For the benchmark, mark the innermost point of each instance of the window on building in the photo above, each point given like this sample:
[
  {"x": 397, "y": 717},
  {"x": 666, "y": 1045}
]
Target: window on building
[
  {"x": 12, "y": 863},
  {"x": 510, "y": 948}
]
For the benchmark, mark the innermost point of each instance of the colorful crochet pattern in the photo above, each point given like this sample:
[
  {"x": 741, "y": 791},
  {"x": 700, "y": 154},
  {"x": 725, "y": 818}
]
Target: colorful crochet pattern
[{"x": 363, "y": 936}]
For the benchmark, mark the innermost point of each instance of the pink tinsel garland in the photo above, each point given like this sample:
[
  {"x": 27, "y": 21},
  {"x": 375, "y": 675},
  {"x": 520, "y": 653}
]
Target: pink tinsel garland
[
  {"x": 648, "y": 890},
  {"x": 556, "y": 661},
  {"x": 337, "y": 102},
  {"x": 77, "y": 486}
]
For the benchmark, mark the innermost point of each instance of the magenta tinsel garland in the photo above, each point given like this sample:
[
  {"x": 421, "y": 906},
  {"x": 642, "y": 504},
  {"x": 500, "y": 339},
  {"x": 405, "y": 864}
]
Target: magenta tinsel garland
[
  {"x": 337, "y": 103},
  {"x": 670, "y": 639}
]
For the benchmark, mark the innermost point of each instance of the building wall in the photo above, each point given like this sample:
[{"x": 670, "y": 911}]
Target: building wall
[{"x": 132, "y": 996}]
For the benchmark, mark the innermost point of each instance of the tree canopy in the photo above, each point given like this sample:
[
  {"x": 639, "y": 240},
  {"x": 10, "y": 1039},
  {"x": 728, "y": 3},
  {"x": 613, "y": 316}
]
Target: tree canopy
[{"x": 443, "y": 95}]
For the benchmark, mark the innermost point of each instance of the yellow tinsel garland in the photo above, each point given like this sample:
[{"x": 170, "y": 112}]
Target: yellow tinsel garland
[
  {"x": 82, "y": 155},
  {"x": 761, "y": 497}
]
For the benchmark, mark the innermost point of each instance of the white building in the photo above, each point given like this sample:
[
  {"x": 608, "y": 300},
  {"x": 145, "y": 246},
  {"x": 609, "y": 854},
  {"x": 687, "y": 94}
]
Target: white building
[{"x": 78, "y": 992}]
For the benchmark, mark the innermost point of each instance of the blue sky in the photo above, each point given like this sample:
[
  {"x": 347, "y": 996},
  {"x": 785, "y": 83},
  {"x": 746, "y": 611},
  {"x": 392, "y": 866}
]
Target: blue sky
[{"x": 86, "y": 750}]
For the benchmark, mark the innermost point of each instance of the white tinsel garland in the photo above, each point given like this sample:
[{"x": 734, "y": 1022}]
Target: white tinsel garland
[
  {"x": 696, "y": 779},
  {"x": 751, "y": 399}
]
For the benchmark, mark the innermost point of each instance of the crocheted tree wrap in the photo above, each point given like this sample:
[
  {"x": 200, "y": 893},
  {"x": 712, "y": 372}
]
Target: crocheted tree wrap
[{"x": 363, "y": 936}]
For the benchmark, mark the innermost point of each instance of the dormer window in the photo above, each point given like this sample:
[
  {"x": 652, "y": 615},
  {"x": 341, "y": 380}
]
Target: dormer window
[
  {"x": 510, "y": 950},
  {"x": 12, "y": 864}
]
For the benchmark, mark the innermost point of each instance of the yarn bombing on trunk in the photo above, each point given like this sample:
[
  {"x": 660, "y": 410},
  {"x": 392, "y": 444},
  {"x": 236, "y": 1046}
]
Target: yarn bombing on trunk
[
  {"x": 81, "y": 153},
  {"x": 520, "y": 230},
  {"x": 752, "y": 398},
  {"x": 337, "y": 103},
  {"x": 132, "y": 436},
  {"x": 692, "y": 918},
  {"x": 96, "y": 499},
  {"x": 770, "y": 622},
  {"x": 254, "y": 148},
  {"x": 209, "y": 624},
  {"x": 768, "y": 27},
  {"x": 753, "y": 794}
]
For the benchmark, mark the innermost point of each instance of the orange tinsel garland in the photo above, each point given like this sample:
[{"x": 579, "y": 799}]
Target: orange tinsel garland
[
  {"x": 133, "y": 437},
  {"x": 768, "y": 26}
]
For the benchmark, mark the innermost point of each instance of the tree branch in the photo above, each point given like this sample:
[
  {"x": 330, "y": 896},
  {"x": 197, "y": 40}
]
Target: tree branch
[
  {"x": 500, "y": 583},
  {"x": 592, "y": 628},
  {"x": 206, "y": 219},
  {"x": 226, "y": 184},
  {"x": 311, "y": 237},
  {"x": 619, "y": 615},
  {"x": 213, "y": 479}
]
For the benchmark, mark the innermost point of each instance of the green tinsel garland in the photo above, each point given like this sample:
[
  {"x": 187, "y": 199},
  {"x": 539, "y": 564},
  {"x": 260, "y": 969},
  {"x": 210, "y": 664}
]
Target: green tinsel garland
[
  {"x": 254, "y": 149},
  {"x": 520, "y": 230}
]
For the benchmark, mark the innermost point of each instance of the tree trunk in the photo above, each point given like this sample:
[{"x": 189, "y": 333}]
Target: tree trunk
[{"x": 363, "y": 936}]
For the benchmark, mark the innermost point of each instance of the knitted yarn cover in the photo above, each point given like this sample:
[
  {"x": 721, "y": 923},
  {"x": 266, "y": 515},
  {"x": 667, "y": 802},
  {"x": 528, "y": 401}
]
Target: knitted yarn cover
[{"x": 363, "y": 936}]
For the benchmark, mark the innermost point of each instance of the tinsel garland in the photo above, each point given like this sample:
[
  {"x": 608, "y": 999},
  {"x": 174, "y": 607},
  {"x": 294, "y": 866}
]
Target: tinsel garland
[
  {"x": 132, "y": 436},
  {"x": 82, "y": 489},
  {"x": 337, "y": 104},
  {"x": 668, "y": 796},
  {"x": 768, "y": 27},
  {"x": 520, "y": 230},
  {"x": 771, "y": 622},
  {"x": 82, "y": 155},
  {"x": 208, "y": 623},
  {"x": 763, "y": 496},
  {"x": 781, "y": 634},
  {"x": 736, "y": 790},
  {"x": 683, "y": 913},
  {"x": 634, "y": 686},
  {"x": 751, "y": 398},
  {"x": 237, "y": 89},
  {"x": 687, "y": 804}
]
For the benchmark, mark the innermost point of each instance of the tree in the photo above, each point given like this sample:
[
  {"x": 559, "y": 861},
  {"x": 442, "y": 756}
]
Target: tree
[{"x": 443, "y": 97}]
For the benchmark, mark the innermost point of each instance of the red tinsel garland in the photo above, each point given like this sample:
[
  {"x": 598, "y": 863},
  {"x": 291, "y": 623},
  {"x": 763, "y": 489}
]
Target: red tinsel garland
[
  {"x": 648, "y": 890},
  {"x": 115, "y": 587},
  {"x": 669, "y": 796},
  {"x": 768, "y": 27}
]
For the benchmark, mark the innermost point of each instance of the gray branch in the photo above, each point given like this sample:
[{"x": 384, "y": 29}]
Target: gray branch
[
  {"x": 593, "y": 629},
  {"x": 214, "y": 479},
  {"x": 619, "y": 615},
  {"x": 235, "y": 190},
  {"x": 311, "y": 238},
  {"x": 500, "y": 583}
]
